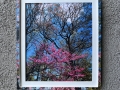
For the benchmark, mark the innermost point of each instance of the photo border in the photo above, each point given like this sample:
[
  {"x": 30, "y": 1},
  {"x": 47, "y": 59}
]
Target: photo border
[{"x": 95, "y": 30}]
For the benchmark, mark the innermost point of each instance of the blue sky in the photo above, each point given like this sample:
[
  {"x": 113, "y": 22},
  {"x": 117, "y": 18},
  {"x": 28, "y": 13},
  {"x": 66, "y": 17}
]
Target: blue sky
[{"x": 31, "y": 51}]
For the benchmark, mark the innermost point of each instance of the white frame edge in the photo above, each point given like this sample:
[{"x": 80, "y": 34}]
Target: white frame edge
[{"x": 95, "y": 21}]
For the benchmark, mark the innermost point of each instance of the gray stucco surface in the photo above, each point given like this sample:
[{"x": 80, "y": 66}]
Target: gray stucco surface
[
  {"x": 110, "y": 45},
  {"x": 7, "y": 45}
]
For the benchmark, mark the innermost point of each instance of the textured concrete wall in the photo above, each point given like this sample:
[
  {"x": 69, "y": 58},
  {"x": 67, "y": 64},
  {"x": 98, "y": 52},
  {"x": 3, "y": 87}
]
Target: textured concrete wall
[
  {"x": 7, "y": 45},
  {"x": 110, "y": 45}
]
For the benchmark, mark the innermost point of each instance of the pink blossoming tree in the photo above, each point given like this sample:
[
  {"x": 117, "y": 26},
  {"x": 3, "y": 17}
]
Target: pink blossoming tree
[{"x": 55, "y": 64}]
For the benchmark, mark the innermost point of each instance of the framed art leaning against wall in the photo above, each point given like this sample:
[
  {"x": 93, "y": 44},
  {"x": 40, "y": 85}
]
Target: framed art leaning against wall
[{"x": 59, "y": 43}]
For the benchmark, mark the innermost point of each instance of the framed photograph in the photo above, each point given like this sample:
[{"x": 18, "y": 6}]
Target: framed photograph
[{"x": 59, "y": 43}]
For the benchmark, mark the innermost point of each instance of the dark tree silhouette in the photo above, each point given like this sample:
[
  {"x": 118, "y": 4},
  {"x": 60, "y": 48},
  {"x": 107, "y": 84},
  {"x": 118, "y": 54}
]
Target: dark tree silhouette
[{"x": 67, "y": 26}]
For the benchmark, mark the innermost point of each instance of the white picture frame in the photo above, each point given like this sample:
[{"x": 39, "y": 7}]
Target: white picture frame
[{"x": 95, "y": 30}]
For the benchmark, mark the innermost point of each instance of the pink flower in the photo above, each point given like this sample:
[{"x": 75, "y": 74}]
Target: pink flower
[
  {"x": 99, "y": 55},
  {"x": 75, "y": 57},
  {"x": 59, "y": 61}
]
